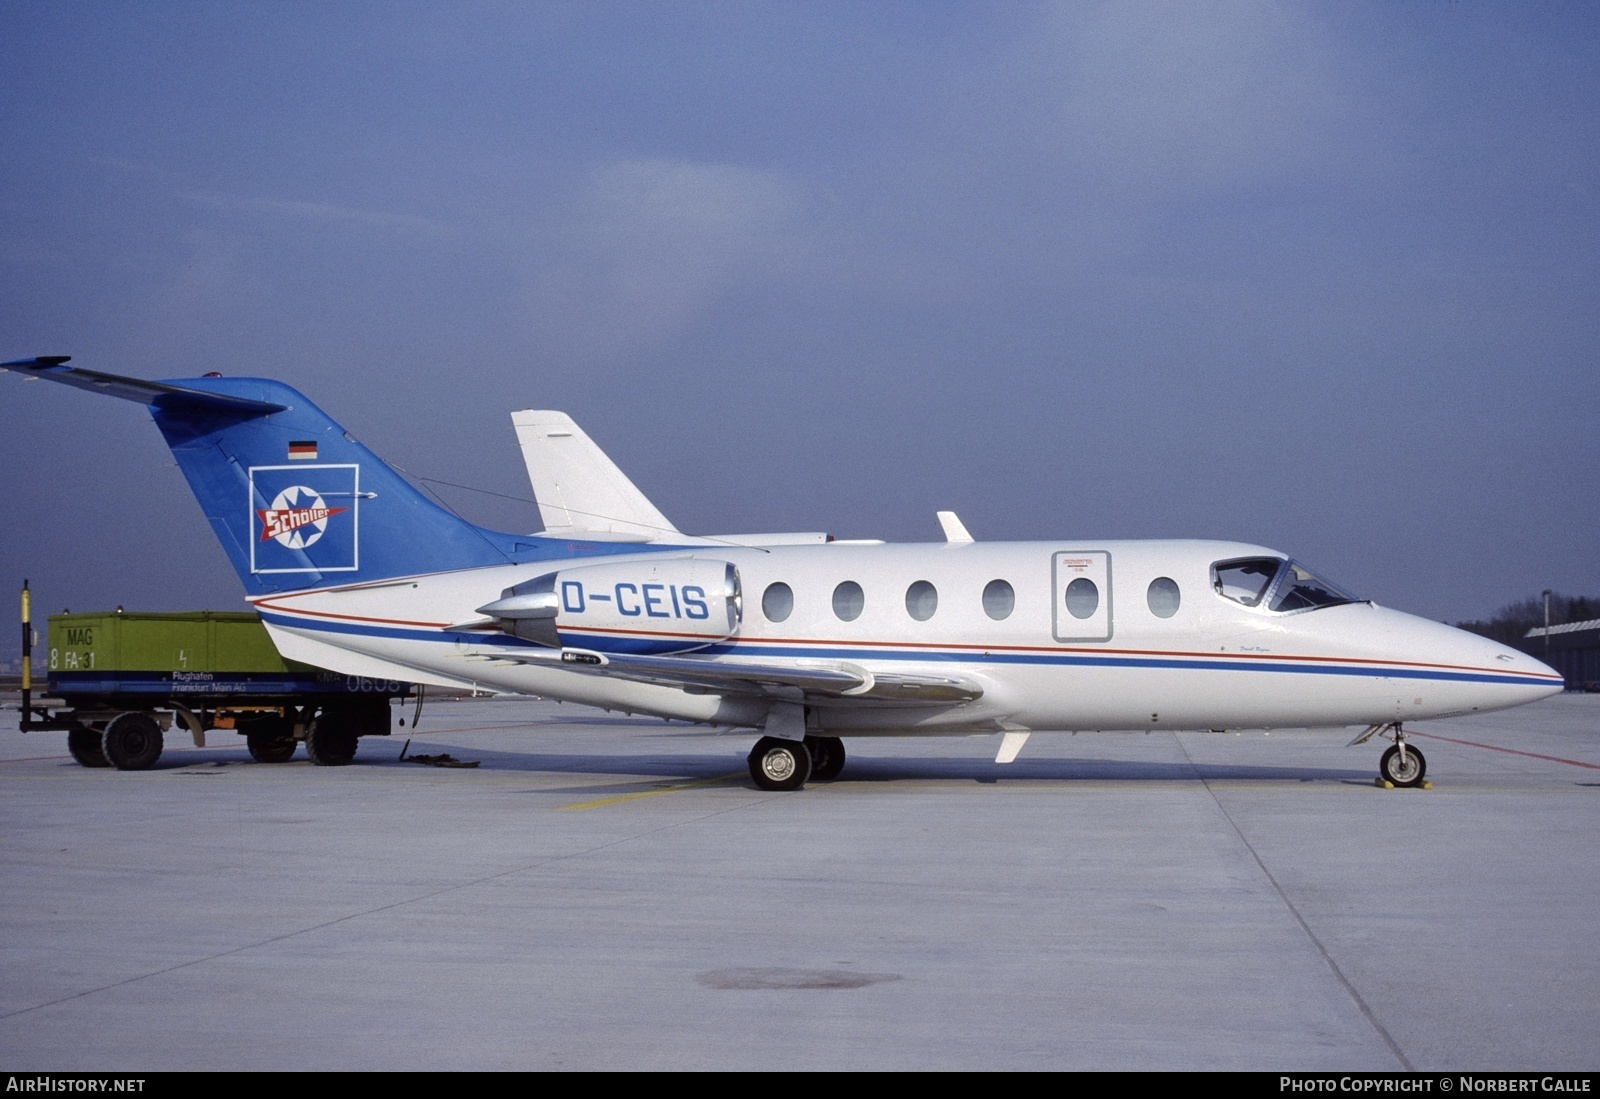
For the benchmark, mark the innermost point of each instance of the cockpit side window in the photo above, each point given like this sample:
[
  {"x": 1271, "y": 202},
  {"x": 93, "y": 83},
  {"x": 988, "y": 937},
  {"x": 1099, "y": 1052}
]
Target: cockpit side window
[
  {"x": 1284, "y": 586},
  {"x": 1245, "y": 580},
  {"x": 1299, "y": 590}
]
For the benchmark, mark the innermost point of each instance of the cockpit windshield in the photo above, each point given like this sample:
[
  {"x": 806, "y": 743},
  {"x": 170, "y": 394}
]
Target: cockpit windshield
[
  {"x": 1298, "y": 590},
  {"x": 1284, "y": 586}
]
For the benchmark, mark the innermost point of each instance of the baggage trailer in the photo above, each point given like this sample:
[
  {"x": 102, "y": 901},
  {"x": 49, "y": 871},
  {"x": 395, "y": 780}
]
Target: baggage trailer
[{"x": 124, "y": 679}]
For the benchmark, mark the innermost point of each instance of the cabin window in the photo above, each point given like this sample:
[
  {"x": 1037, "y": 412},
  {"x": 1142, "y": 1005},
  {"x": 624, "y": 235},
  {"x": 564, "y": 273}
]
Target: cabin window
[
  {"x": 922, "y": 599},
  {"x": 848, "y": 601},
  {"x": 1246, "y": 580},
  {"x": 777, "y": 602},
  {"x": 1083, "y": 598},
  {"x": 998, "y": 600},
  {"x": 1163, "y": 597}
]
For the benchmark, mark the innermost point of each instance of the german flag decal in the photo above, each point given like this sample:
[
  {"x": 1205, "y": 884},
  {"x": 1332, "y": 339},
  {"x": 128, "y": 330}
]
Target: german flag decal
[{"x": 303, "y": 450}]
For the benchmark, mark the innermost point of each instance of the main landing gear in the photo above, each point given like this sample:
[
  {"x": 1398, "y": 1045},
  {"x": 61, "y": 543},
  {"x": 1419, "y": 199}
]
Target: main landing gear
[
  {"x": 1402, "y": 764},
  {"x": 827, "y": 757},
  {"x": 778, "y": 764}
]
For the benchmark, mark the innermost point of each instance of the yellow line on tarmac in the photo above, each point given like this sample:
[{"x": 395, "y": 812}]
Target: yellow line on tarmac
[{"x": 618, "y": 799}]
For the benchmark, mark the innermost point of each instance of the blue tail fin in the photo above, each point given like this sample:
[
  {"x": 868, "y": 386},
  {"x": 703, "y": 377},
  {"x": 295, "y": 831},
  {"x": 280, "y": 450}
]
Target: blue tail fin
[{"x": 294, "y": 499}]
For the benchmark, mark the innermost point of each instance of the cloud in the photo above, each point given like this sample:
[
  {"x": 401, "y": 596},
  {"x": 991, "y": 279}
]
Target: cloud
[
  {"x": 180, "y": 186},
  {"x": 647, "y": 246},
  {"x": 325, "y": 213},
  {"x": 1180, "y": 96}
]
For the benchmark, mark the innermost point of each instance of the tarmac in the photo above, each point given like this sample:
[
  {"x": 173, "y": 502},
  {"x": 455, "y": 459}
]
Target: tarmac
[{"x": 604, "y": 892}]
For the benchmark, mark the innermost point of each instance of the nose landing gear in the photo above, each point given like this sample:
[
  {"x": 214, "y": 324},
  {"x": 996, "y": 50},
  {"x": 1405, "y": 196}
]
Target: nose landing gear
[{"x": 1402, "y": 764}]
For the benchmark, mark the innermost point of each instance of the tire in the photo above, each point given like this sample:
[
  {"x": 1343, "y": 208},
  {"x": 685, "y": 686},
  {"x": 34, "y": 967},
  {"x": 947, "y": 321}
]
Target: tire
[
  {"x": 270, "y": 741},
  {"x": 331, "y": 740},
  {"x": 1407, "y": 774},
  {"x": 827, "y": 757},
  {"x": 364, "y": 717},
  {"x": 132, "y": 742},
  {"x": 780, "y": 764},
  {"x": 84, "y": 744}
]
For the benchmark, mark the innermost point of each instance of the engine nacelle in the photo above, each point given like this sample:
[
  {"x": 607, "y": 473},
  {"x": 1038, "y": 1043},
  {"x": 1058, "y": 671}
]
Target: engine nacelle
[{"x": 639, "y": 606}]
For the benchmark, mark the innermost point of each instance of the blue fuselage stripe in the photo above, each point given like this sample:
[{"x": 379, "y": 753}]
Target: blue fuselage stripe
[{"x": 1065, "y": 659}]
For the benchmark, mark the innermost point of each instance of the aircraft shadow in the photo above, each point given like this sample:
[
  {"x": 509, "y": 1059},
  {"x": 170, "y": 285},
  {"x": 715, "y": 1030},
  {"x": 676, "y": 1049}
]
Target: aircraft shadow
[
  {"x": 699, "y": 767},
  {"x": 1088, "y": 770},
  {"x": 728, "y": 765}
]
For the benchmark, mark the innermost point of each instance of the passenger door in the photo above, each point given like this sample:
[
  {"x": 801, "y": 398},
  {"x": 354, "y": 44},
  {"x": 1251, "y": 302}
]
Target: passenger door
[{"x": 1081, "y": 581}]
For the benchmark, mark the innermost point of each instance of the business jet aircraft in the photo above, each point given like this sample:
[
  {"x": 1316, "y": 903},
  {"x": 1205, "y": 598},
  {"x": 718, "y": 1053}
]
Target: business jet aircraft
[{"x": 805, "y": 639}]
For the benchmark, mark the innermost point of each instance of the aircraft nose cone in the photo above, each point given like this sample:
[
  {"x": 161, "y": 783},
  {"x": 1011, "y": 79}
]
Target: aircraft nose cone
[
  {"x": 1528, "y": 665},
  {"x": 1457, "y": 672},
  {"x": 1526, "y": 678}
]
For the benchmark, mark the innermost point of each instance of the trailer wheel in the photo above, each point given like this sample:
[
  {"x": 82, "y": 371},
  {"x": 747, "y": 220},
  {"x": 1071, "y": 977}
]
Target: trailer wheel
[
  {"x": 368, "y": 717},
  {"x": 132, "y": 742},
  {"x": 271, "y": 747},
  {"x": 331, "y": 740},
  {"x": 84, "y": 744},
  {"x": 271, "y": 739}
]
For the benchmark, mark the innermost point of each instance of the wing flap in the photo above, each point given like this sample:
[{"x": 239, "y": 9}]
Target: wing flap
[{"x": 817, "y": 682}]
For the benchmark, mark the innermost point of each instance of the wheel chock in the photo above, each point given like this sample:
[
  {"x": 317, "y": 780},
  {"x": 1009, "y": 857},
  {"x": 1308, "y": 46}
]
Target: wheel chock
[{"x": 1384, "y": 784}]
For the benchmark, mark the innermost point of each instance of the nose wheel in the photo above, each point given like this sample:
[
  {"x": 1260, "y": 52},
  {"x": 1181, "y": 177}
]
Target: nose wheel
[{"x": 1401, "y": 764}]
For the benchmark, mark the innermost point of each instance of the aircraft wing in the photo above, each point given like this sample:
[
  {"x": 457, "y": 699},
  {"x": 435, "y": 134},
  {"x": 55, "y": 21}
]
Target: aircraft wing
[{"x": 819, "y": 682}]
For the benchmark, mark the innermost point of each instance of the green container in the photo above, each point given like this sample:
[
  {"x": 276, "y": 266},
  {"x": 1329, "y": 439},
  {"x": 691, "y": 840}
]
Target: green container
[{"x": 144, "y": 641}]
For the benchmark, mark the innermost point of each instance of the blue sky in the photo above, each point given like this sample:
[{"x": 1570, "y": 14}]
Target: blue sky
[{"x": 1321, "y": 277}]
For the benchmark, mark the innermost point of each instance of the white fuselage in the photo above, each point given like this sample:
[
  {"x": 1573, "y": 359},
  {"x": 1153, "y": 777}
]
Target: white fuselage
[{"x": 1130, "y": 662}]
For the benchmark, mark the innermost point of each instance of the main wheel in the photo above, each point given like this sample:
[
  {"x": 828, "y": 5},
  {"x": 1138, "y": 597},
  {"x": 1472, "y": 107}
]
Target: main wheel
[
  {"x": 827, "y": 757},
  {"x": 1403, "y": 772},
  {"x": 780, "y": 764},
  {"x": 132, "y": 742},
  {"x": 84, "y": 744},
  {"x": 270, "y": 741},
  {"x": 331, "y": 740}
]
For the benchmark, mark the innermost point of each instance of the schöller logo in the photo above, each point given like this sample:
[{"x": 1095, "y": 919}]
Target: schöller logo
[
  {"x": 304, "y": 518},
  {"x": 297, "y": 517}
]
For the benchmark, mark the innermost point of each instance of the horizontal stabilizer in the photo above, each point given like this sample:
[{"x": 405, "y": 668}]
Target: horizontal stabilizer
[{"x": 155, "y": 394}]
